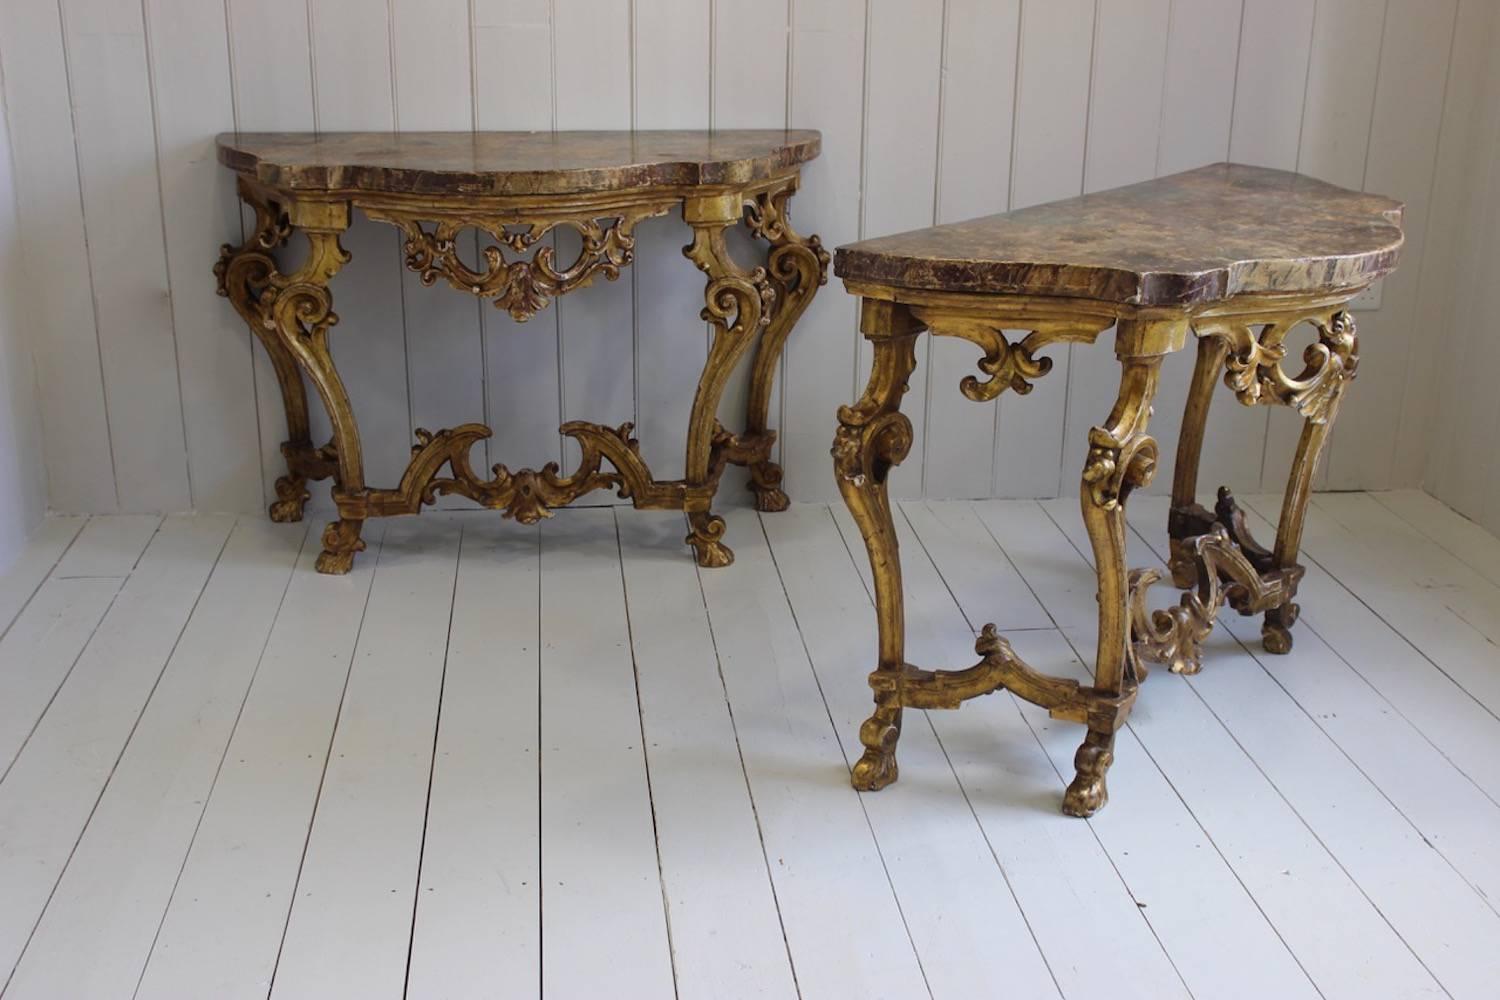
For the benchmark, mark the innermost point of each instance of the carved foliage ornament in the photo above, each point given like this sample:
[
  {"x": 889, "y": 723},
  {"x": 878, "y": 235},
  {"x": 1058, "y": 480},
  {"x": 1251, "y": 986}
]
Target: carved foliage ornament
[
  {"x": 526, "y": 495},
  {"x": 523, "y": 286},
  {"x": 1225, "y": 575},
  {"x": 1009, "y": 364},
  {"x": 1254, "y": 372},
  {"x": 1122, "y": 456}
]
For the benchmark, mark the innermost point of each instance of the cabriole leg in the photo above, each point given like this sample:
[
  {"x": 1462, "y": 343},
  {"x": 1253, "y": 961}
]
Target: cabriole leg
[
  {"x": 797, "y": 267},
  {"x": 1187, "y": 518},
  {"x": 301, "y": 313},
  {"x": 1122, "y": 456},
  {"x": 244, "y": 274},
  {"x": 874, "y": 436},
  {"x": 738, "y": 305},
  {"x": 1336, "y": 358}
]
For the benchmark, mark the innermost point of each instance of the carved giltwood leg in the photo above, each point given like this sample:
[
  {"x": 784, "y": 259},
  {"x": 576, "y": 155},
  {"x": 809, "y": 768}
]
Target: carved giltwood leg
[
  {"x": 738, "y": 304},
  {"x": 797, "y": 267},
  {"x": 298, "y": 310},
  {"x": 874, "y": 436},
  {"x": 244, "y": 273},
  {"x": 1122, "y": 456},
  {"x": 1331, "y": 365},
  {"x": 1188, "y": 518}
]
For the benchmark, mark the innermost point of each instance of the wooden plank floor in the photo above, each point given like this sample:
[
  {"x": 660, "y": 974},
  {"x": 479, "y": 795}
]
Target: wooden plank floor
[{"x": 561, "y": 761}]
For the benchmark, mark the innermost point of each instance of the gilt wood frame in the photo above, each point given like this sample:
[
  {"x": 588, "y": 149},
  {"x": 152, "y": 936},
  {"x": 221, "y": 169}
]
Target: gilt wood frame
[
  {"x": 1212, "y": 551},
  {"x": 747, "y": 307},
  {"x": 1234, "y": 256}
]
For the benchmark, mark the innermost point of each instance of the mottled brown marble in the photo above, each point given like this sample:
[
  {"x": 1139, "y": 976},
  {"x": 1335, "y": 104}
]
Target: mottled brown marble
[
  {"x": 1194, "y": 237},
  {"x": 513, "y": 163}
]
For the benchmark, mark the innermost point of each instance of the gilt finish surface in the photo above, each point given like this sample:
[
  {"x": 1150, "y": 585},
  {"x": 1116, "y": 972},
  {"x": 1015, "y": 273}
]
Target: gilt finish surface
[
  {"x": 1237, "y": 257},
  {"x": 513, "y": 190}
]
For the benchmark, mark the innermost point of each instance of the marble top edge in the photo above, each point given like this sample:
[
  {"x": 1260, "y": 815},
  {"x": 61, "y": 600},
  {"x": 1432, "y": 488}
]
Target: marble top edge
[
  {"x": 1198, "y": 236},
  {"x": 514, "y": 162}
]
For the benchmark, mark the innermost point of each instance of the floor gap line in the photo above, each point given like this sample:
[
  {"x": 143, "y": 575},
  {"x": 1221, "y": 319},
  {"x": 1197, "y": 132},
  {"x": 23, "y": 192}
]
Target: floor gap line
[{"x": 828, "y": 709}]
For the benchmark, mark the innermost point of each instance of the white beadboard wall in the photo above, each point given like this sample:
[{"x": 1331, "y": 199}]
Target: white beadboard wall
[
  {"x": 931, "y": 110},
  {"x": 23, "y": 484},
  {"x": 1460, "y": 422}
]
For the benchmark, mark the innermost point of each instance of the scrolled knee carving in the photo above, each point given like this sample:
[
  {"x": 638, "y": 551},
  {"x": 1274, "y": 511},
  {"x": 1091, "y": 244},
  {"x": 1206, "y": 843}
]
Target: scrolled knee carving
[{"x": 863, "y": 453}]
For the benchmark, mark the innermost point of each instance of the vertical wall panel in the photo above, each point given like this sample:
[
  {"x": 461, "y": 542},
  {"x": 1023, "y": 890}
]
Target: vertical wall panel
[
  {"x": 444, "y": 342},
  {"x": 352, "y": 87},
  {"x": 23, "y": 470},
  {"x": 1271, "y": 77},
  {"x": 749, "y": 91},
  {"x": 1198, "y": 90},
  {"x": 1052, "y": 107},
  {"x": 75, "y": 419},
  {"x": 1130, "y": 50},
  {"x": 1203, "y": 39},
  {"x": 189, "y": 58},
  {"x": 827, "y": 93},
  {"x": 1481, "y": 424},
  {"x": 513, "y": 77},
  {"x": 931, "y": 110},
  {"x": 673, "y": 50},
  {"x": 1463, "y": 431},
  {"x": 1265, "y": 126},
  {"x": 597, "y": 323},
  {"x": 272, "y": 86},
  {"x": 1335, "y": 138},
  {"x": 977, "y": 118},
  {"x": 1403, "y": 153},
  {"x": 127, "y": 259},
  {"x": 905, "y": 52},
  {"x": 1427, "y": 412}
]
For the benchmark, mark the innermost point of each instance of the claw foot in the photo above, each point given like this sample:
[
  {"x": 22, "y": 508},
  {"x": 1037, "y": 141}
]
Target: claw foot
[
  {"x": 1276, "y": 632},
  {"x": 765, "y": 483},
  {"x": 340, "y": 542},
  {"x": 1088, "y": 792},
  {"x": 877, "y": 767},
  {"x": 705, "y": 537},
  {"x": 770, "y": 500},
  {"x": 291, "y": 499}
]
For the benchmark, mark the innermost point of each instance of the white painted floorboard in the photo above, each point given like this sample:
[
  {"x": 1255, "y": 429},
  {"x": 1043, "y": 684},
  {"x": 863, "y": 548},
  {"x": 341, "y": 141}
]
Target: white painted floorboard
[{"x": 508, "y": 761}]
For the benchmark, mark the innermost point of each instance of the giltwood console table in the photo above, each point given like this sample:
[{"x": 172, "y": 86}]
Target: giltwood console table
[
  {"x": 516, "y": 188},
  {"x": 1235, "y": 255}
]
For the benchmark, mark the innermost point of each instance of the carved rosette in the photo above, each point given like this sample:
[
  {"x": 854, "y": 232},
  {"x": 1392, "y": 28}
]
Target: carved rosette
[{"x": 1253, "y": 367}]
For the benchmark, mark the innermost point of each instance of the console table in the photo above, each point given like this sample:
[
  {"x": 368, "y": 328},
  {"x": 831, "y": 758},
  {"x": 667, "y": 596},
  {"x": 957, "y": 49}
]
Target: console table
[
  {"x": 516, "y": 188},
  {"x": 1237, "y": 256}
]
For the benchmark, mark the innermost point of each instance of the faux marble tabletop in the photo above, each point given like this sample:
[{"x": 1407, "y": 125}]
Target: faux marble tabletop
[
  {"x": 1194, "y": 237},
  {"x": 513, "y": 163}
]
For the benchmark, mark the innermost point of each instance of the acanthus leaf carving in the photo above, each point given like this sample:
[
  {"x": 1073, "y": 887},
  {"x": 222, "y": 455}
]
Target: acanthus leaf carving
[
  {"x": 1253, "y": 367},
  {"x": 526, "y": 495},
  {"x": 1224, "y": 575},
  {"x": 1010, "y": 364},
  {"x": 524, "y": 286}
]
